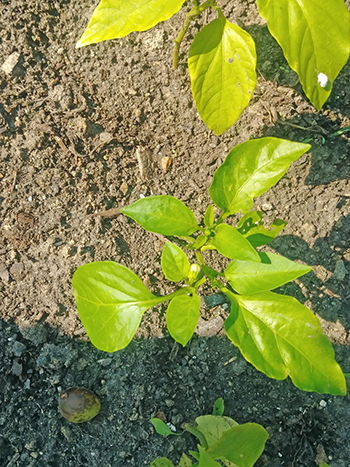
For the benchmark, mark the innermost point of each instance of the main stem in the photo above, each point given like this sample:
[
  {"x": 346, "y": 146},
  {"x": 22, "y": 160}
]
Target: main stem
[{"x": 196, "y": 11}]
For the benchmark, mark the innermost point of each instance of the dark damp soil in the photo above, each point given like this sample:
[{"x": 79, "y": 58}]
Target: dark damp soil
[{"x": 84, "y": 131}]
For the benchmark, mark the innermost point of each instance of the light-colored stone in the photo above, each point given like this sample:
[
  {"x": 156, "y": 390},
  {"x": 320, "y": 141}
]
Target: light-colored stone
[{"x": 10, "y": 63}]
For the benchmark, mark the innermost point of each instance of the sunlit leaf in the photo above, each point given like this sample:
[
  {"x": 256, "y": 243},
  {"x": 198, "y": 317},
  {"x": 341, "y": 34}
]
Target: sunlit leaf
[
  {"x": 162, "y": 214},
  {"x": 251, "y": 226},
  {"x": 281, "y": 337},
  {"x": 205, "y": 460},
  {"x": 250, "y": 169},
  {"x": 175, "y": 264},
  {"x": 314, "y": 36},
  {"x": 111, "y": 300},
  {"x": 182, "y": 317},
  {"x": 117, "y": 18},
  {"x": 222, "y": 63},
  {"x": 249, "y": 277},
  {"x": 230, "y": 243}
]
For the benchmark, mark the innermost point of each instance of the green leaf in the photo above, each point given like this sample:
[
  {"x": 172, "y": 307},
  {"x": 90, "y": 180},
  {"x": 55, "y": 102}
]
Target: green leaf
[
  {"x": 174, "y": 263},
  {"x": 242, "y": 445},
  {"x": 314, "y": 36},
  {"x": 248, "y": 277},
  {"x": 281, "y": 338},
  {"x": 185, "y": 461},
  {"x": 209, "y": 216},
  {"x": 219, "y": 407},
  {"x": 252, "y": 228},
  {"x": 161, "y": 428},
  {"x": 182, "y": 317},
  {"x": 205, "y": 460},
  {"x": 250, "y": 169},
  {"x": 222, "y": 63},
  {"x": 212, "y": 427},
  {"x": 162, "y": 462},
  {"x": 162, "y": 214},
  {"x": 230, "y": 243},
  {"x": 199, "y": 242},
  {"x": 117, "y": 18},
  {"x": 111, "y": 300}
]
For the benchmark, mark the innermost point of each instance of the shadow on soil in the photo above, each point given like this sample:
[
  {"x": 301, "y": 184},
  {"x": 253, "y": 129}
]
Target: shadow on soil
[{"x": 133, "y": 384}]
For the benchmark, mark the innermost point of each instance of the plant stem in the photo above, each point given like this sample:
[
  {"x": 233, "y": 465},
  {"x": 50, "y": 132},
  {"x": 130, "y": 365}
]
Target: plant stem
[{"x": 196, "y": 11}]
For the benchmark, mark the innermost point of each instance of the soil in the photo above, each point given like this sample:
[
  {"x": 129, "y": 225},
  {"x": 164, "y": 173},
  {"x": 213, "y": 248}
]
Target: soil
[{"x": 89, "y": 130}]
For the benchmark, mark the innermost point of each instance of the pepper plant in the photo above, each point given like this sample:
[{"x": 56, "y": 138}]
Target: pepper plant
[
  {"x": 314, "y": 37},
  {"x": 221, "y": 438},
  {"x": 276, "y": 333}
]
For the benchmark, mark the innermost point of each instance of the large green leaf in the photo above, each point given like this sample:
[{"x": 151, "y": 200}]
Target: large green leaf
[
  {"x": 111, "y": 300},
  {"x": 205, "y": 460},
  {"x": 249, "y": 277},
  {"x": 281, "y": 338},
  {"x": 242, "y": 445},
  {"x": 174, "y": 263},
  {"x": 250, "y": 169},
  {"x": 117, "y": 18},
  {"x": 162, "y": 214},
  {"x": 222, "y": 63},
  {"x": 251, "y": 226},
  {"x": 182, "y": 317},
  {"x": 213, "y": 427},
  {"x": 314, "y": 36},
  {"x": 230, "y": 243}
]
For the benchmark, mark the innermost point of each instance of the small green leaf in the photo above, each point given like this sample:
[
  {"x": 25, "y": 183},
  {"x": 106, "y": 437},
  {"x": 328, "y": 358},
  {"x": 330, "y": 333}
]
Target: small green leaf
[
  {"x": 219, "y": 407},
  {"x": 111, "y": 300},
  {"x": 162, "y": 214},
  {"x": 185, "y": 461},
  {"x": 281, "y": 338},
  {"x": 212, "y": 427},
  {"x": 222, "y": 61},
  {"x": 182, "y": 317},
  {"x": 230, "y": 243},
  {"x": 242, "y": 445},
  {"x": 248, "y": 277},
  {"x": 117, "y": 18},
  {"x": 162, "y": 462},
  {"x": 324, "y": 465},
  {"x": 250, "y": 169},
  {"x": 205, "y": 460},
  {"x": 175, "y": 264},
  {"x": 252, "y": 228},
  {"x": 199, "y": 242},
  {"x": 209, "y": 216},
  {"x": 160, "y": 427},
  {"x": 314, "y": 37}
]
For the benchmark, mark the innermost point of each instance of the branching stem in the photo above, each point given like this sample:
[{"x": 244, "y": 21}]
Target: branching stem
[{"x": 196, "y": 11}]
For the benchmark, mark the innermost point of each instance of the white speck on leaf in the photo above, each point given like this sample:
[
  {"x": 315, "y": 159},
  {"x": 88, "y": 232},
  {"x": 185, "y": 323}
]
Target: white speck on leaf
[{"x": 322, "y": 80}]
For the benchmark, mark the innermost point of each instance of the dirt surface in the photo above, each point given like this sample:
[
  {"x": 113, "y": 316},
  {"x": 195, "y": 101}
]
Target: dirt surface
[{"x": 84, "y": 131}]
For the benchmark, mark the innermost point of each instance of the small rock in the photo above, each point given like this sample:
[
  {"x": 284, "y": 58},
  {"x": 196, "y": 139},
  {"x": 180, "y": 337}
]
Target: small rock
[
  {"x": 124, "y": 187},
  {"x": 209, "y": 328},
  {"x": 18, "y": 348},
  {"x": 169, "y": 402},
  {"x": 266, "y": 206},
  {"x": 10, "y": 63},
  {"x": 4, "y": 274},
  {"x": 166, "y": 163},
  {"x": 339, "y": 271},
  {"x": 16, "y": 368},
  {"x": 105, "y": 137},
  {"x": 17, "y": 271}
]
